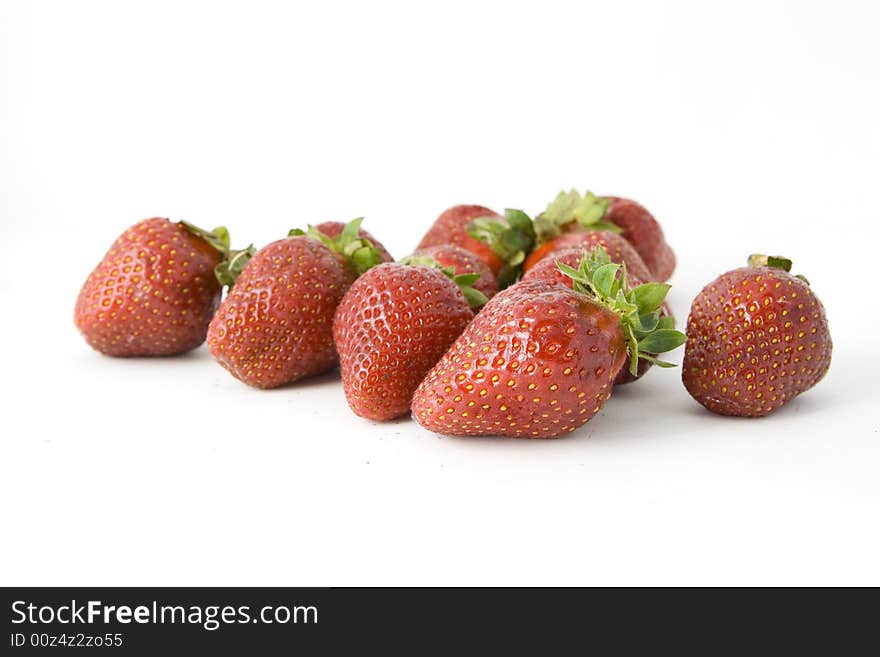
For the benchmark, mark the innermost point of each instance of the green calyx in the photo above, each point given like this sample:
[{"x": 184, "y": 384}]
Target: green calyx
[
  {"x": 774, "y": 262},
  {"x": 647, "y": 332},
  {"x": 233, "y": 260},
  {"x": 360, "y": 252},
  {"x": 465, "y": 282},
  {"x": 511, "y": 240},
  {"x": 587, "y": 210},
  {"x": 228, "y": 270}
]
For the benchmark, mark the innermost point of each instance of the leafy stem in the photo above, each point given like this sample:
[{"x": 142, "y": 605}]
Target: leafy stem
[
  {"x": 511, "y": 239},
  {"x": 233, "y": 261},
  {"x": 587, "y": 211},
  {"x": 774, "y": 262},
  {"x": 465, "y": 282},
  {"x": 647, "y": 331},
  {"x": 360, "y": 252}
]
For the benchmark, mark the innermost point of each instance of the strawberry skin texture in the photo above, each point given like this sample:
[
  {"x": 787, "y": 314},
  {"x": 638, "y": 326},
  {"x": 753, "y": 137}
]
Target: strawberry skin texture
[
  {"x": 642, "y": 230},
  {"x": 152, "y": 294},
  {"x": 276, "y": 324},
  {"x": 392, "y": 326},
  {"x": 451, "y": 228},
  {"x": 463, "y": 261},
  {"x": 334, "y": 229},
  {"x": 537, "y": 362},
  {"x": 548, "y": 270},
  {"x": 757, "y": 338},
  {"x": 619, "y": 250}
]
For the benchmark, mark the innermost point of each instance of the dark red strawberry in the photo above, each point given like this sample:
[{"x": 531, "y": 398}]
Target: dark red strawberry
[
  {"x": 276, "y": 324},
  {"x": 540, "y": 359},
  {"x": 334, "y": 229},
  {"x": 571, "y": 212},
  {"x": 393, "y": 325},
  {"x": 155, "y": 290},
  {"x": 642, "y": 230},
  {"x": 757, "y": 338},
  {"x": 618, "y": 249},
  {"x": 502, "y": 242},
  {"x": 548, "y": 270},
  {"x": 462, "y": 261}
]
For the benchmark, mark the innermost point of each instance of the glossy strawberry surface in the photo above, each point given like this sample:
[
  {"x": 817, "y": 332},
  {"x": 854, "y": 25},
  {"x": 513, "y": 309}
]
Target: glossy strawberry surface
[
  {"x": 334, "y": 229},
  {"x": 152, "y": 294},
  {"x": 276, "y": 324},
  {"x": 757, "y": 338},
  {"x": 451, "y": 228},
  {"x": 548, "y": 270},
  {"x": 463, "y": 261},
  {"x": 620, "y": 251},
  {"x": 392, "y": 326},
  {"x": 643, "y": 231},
  {"x": 537, "y": 362}
]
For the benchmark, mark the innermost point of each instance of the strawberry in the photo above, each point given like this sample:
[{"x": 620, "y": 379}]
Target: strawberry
[
  {"x": 619, "y": 250},
  {"x": 276, "y": 324},
  {"x": 642, "y": 230},
  {"x": 539, "y": 360},
  {"x": 393, "y": 325},
  {"x": 757, "y": 338},
  {"x": 334, "y": 229},
  {"x": 548, "y": 270},
  {"x": 571, "y": 212},
  {"x": 462, "y": 261},
  {"x": 156, "y": 289},
  {"x": 502, "y": 242}
]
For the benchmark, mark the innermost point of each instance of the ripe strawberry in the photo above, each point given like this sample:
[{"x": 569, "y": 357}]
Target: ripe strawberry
[
  {"x": 642, "y": 230},
  {"x": 571, "y": 212},
  {"x": 619, "y": 250},
  {"x": 548, "y": 270},
  {"x": 462, "y": 261},
  {"x": 757, "y": 338},
  {"x": 502, "y": 242},
  {"x": 276, "y": 324},
  {"x": 155, "y": 290},
  {"x": 335, "y": 228},
  {"x": 540, "y": 359},
  {"x": 393, "y": 325}
]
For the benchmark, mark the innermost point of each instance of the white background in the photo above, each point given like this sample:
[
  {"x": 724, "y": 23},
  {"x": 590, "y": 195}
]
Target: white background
[{"x": 743, "y": 128}]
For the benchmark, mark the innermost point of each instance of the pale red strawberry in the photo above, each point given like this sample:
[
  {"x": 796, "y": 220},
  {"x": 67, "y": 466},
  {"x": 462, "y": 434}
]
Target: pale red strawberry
[
  {"x": 276, "y": 324},
  {"x": 462, "y": 261},
  {"x": 757, "y": 338},
  {"x": 154, "y": 291},
  {"x": 392, "y": 326},
  {"x": 540, "y": 359}
]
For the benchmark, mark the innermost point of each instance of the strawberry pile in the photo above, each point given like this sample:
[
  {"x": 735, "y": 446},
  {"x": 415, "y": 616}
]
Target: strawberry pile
[{"x": 497, "y": 324}]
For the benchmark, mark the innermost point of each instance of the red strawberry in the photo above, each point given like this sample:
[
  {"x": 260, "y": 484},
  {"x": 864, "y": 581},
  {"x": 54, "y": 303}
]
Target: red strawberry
[
  {"x": 571, "y": 212},
  {"x": 502, "y": 242},
  {"x": 642, "y": 230},
  {"x": 462, "y": 261},
  {"x": 757, "y": 338},
  {"x": 334, "y": 229},
  {"x": 619, "y": 250},
  {"x": 392, "y": 326},
  {"x": 548, "y": 270},
  {"x": 155, "y": 290},
  {"x": 276, "y": 324},
  {"x": 540, "y": 359}
]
